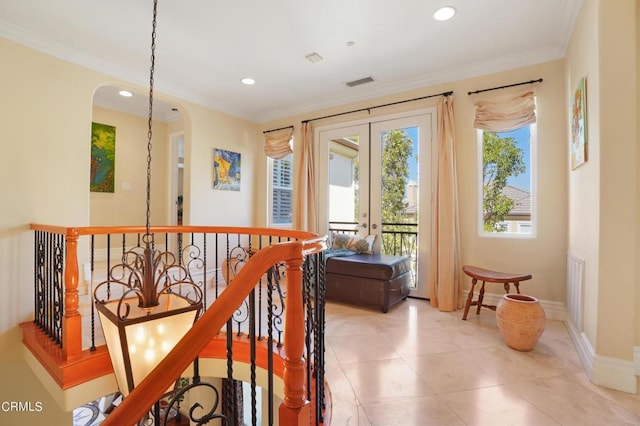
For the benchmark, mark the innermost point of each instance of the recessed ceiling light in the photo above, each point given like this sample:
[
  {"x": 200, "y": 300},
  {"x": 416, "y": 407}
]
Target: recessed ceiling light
[
  {"x": 444, "y": 13},
  {"x": 125, "y": 93},
  {"x": 248, "y": 81}
]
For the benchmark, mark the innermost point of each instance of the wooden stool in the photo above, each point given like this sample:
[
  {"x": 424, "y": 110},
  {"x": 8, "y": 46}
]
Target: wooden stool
[{"x": 492, "y": 277}]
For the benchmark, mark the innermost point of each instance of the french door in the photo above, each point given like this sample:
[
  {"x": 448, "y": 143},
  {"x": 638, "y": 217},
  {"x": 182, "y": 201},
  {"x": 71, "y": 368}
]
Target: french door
[{"x": 378, "y": 182}]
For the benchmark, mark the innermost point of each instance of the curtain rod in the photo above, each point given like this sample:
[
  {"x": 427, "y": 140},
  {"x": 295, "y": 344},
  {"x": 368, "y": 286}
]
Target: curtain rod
[
  {"x": 275, "y": 130},
  {"x": 504, "y": 87},
  {"x": 449, "y": 93}
]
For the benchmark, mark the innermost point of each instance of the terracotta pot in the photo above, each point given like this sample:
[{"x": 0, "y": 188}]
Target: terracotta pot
[{"x": 520, "y": 320}]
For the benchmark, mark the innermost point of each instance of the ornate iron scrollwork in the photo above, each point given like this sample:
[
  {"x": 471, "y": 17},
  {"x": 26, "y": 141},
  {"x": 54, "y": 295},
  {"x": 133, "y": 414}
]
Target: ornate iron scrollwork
[{"x": 171, "y": 276}]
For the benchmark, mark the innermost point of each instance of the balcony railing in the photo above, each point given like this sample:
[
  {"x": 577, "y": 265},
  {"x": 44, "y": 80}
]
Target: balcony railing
[
  {"x": 270, "y": 281},
  {"x": 399, "y": 239}
]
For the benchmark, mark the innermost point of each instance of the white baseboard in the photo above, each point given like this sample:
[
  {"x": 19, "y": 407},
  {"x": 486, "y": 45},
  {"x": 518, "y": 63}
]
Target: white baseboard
[
  {"x": 614, "y": 373},
  {"x": 585, "y": 351}
]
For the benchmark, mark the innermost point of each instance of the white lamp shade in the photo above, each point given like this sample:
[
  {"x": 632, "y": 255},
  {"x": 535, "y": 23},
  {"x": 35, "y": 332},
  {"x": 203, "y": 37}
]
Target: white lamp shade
[{"x": 138, "y": 343}]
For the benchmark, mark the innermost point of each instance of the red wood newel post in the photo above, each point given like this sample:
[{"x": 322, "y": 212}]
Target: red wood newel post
[
  {"x": 72, "y": 321},
  {"x": 295, "y": 409}
]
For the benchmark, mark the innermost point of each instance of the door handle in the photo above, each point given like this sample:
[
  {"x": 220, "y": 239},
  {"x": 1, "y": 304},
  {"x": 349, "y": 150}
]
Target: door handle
[
  {"x": 374, "y": 226},
  {"x": 364, "y": 225}
]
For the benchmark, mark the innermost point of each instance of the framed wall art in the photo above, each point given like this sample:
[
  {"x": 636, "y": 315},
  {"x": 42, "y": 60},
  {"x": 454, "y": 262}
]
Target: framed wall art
[
  {"x": 226, "y": 170},
  {"x": 103, "y": 158},
  {"x": 579, "y": 125}
]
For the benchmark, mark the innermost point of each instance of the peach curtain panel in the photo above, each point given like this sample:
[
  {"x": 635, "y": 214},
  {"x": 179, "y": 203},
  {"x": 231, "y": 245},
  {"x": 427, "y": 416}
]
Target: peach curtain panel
[
  {"x": 305, "y": 215},
  {"x": 277, "y": 144},
  {"x": 505, "y": 110},
  {"x": 444, "y": 274}
]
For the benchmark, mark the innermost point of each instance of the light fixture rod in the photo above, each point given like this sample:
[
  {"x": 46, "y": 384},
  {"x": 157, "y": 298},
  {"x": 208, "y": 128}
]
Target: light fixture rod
[{"x": 148, "y": 238}]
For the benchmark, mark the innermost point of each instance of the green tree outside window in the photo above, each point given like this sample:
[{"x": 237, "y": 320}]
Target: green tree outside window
[{"x": 501, "y": 159}]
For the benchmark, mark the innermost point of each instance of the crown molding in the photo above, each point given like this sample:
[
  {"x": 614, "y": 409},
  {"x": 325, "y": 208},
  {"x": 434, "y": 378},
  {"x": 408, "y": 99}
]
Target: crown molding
[{"x": 376, "y": 90}]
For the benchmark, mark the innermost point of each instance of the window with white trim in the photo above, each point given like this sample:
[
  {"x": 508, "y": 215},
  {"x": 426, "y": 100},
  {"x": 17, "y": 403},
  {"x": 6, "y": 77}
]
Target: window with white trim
[
  {"x": 506, "y": 121},
  {"x": 281, "y": 191},
  {"x": 506, "y": 182}
]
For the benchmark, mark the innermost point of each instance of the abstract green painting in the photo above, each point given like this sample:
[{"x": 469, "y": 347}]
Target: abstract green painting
[{"x": 103, "y": 157}]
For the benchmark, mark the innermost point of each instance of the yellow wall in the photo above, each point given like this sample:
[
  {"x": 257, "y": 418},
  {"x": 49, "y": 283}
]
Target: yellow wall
[
  {"x": 603, "y": 193},
  {"x": 543, "y": 256},
  {"x": 46, "y": 120},
  {"x": 128, "y": 206},
  {"x": 45, "y": 116},
  {"x": 584, "y": 197},
  {"x": 204, "y": 205},
  {"x": 637, "y": 290},
  {"x": 618, "y": 183}
]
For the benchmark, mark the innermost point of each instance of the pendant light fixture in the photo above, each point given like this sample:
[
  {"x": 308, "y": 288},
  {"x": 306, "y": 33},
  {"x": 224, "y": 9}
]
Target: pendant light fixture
[{"x": 149, "y": 301}]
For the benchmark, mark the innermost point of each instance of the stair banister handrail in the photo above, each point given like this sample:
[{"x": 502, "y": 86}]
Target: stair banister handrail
[
  {"x": 72, "y": 320},
  {"x": 136, "y": 405}
]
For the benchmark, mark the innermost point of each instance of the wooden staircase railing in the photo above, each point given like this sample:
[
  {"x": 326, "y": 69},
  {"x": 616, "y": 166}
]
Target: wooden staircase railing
[
  {"x": 57, "y": 340},
  {"x": 295, "y": 408}
]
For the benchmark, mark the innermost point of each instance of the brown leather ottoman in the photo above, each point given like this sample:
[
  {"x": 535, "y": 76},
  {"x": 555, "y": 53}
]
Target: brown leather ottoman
[{"x": 369, "y": 279}]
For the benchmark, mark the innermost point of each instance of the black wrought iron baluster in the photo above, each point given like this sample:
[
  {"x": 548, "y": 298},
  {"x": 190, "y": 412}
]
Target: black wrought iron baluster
[
  {"x": 39, "y": 278},
  {"x": 308, "y": 324},
  {"x": 47, "y": 287},
  {"x": 43, "y": 283},
  {"x": 252, "y": 348},
  {"x": 228, "y": 397},
  {"x": 36, "y": 238},
  {"x": 318, "y": 333},
  {"x": 227, "y": 402},
  {"x": 278, "y": 314},
  {"x": 260, "y": 284},
  {"x": 270, "y": 345},
  {"x": 44, "y": 276},
  {"x": 217, "y": 268},
  {"x": 93, "y": 309},
  {"x": 58, "y": 304},
  {"x": 109, "y": 265},
  {"x": 52, "y": 290},
  {"x": 55, "y": 303},
  {"x": 180, "y": 236},
  {"x": 204, "y": 290}
]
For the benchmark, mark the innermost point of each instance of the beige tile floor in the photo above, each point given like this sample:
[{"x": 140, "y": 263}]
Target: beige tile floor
[{"x": 418, "y": 366}]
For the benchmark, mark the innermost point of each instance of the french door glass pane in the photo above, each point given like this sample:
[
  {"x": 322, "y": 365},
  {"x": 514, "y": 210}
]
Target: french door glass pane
[
  {"x": 344, "y": 187},
  {"x": 399, "y": 191}
]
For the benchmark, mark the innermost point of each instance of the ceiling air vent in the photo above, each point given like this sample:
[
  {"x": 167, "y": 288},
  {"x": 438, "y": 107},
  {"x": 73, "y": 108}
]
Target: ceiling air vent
[{"x": 360, "y": 81}]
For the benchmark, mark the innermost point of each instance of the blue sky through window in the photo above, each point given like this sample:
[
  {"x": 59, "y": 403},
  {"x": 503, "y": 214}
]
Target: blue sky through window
[
  {"x": 522, "y": 137},
  {"x": 412, "y": 132}
]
